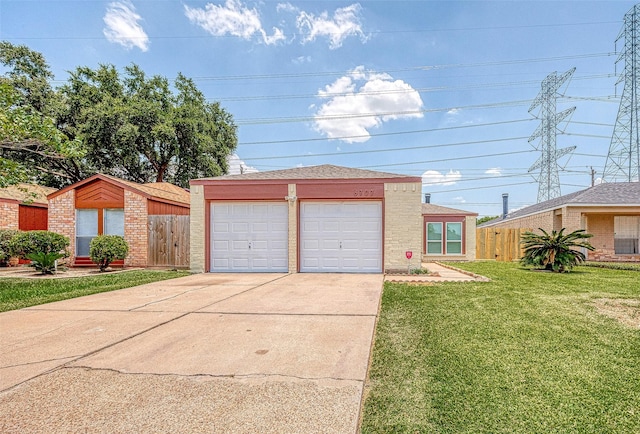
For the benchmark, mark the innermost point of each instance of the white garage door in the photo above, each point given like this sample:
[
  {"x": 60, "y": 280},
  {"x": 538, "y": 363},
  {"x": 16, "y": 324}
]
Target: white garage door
[
  {"x": 249, "y": 237},
  {"x": 341, "y": 237}
]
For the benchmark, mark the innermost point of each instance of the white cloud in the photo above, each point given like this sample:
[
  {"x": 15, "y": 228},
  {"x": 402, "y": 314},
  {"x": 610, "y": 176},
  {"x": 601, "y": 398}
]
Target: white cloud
[
  {"x": 494, "y": 171},
  {"x": 302, "y": 59},
  {"x": 344, "y": 23},
  {"x": 459, "y": 199},
  {"x": 233, "y": 18},
  {"x": 453, "y": 112},
  {"x": 362, "y": 100},
  {"x": 122, "y": 26},
  {"x": 433, "y": 177},
  {"x": 237, "y": 166}
]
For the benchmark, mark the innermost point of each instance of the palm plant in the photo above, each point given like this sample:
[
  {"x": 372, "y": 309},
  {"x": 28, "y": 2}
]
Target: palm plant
[{"x": 556, "y": 251}]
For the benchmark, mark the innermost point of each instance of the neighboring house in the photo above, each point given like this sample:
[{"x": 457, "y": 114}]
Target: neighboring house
[
  {"x": 448, "y": 234},
  {"x": 609, "y": 211},
  {"x": 310, "y": 219},
  {"x": 24, "y": 207},
  {"x": 153, "y": 219}
]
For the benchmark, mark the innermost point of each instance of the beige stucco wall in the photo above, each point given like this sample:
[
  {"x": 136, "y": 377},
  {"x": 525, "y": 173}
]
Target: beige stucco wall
[
  {"x": 402, "y": 224},
  {"x": 9, "y": 215},
  {"x": 62, "y": 219},
  {"x": 197, "y": 230}
]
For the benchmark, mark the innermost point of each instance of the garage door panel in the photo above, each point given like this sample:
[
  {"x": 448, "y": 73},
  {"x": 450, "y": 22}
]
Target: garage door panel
[
  {"x": 249, "y": 237},
  {"x": 220, "y": 227},
  {"x": 279, "y": 245},
  {"x": 349, "y": 235},
  {"x": 279, "y": 226}
]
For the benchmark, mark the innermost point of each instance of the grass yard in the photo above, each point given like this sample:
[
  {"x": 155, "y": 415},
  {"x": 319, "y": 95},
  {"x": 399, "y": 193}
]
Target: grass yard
[
  {"x": 529, "y": 352},
  {"x": 17, "y": 293}
]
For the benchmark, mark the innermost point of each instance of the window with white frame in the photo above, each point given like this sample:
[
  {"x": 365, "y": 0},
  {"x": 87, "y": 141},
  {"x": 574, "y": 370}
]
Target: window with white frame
[
  {"x": 434, "y": 238},
  {"x": 86, "y": 229},
  {"x": 626, "y": 237},
  {"x": 88, "y": 226},
  {"x": 454, "y": 238}
]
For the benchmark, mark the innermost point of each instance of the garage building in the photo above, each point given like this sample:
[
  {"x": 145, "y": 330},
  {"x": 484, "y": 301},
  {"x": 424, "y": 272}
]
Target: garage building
[{"x": 311, "y": 219}]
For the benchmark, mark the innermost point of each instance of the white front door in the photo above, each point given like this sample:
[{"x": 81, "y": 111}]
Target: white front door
[
  {"x": 341, "y": 237},
  {"x": 249, "y": 237}
]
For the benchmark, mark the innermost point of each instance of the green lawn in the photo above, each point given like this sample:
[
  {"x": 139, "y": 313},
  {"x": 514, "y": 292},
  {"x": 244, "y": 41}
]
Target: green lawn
[
  {"x": 525, "y": 353},
  {"x": 18, "y": 293}
]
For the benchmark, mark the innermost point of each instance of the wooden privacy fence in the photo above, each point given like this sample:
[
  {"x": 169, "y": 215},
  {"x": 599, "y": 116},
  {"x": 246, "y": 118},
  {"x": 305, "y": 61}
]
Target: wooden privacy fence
[
  {"x": 168, "y": 241},
  {"x": 501, "y": 244}
]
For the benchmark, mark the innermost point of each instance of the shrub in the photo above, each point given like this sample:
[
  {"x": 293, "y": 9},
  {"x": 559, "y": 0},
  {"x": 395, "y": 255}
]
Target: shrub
[
  {"x": 44, "y": 262},
  {"x": 6, "y": 235},
  {"x": 555, "y": 251},
  {"x": 24, "y": 244},
  {"x": 105, "y": 249}
]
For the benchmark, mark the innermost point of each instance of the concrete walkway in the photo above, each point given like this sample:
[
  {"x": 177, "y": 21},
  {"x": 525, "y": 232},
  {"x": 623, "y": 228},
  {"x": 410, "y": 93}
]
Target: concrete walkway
[
  {"x": 441, "y": 273},
  {"x": 204, "y": 353}
]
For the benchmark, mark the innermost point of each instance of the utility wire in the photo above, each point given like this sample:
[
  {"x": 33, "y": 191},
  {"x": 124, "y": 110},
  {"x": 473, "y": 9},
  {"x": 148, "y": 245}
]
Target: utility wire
[{"x": 372, "y": 151}]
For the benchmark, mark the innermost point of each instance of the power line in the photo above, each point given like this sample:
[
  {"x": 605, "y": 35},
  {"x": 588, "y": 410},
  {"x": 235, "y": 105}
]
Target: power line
[
  {"x": 430, "y": 130},
  {"x": 390, "y": 150}
]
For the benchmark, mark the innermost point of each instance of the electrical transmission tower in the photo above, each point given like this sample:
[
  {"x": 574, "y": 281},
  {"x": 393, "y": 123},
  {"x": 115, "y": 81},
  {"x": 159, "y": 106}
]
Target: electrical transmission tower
[
  {"x": 549, "y": 180},
  {"x": 623, "y": 160}
]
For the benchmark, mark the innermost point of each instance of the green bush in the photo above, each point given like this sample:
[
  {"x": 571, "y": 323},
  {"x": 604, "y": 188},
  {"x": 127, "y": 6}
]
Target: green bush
[
  {"x": 105, "y": 249},
  {"x": 556, "y": 251},
  {"x": 44, "y": 262},
  {"x": 6, "y": 235},
  {"x": 24, "y": 244}
]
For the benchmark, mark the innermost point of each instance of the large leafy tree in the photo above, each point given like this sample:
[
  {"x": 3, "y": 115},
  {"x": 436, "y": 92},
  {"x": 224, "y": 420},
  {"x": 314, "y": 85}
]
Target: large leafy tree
[
  {"x": 139, "y": 128},
  {"x": 132, "y": 126},
  {"x": 31, "y": 145},
  {"x": 556, "y": 251}
]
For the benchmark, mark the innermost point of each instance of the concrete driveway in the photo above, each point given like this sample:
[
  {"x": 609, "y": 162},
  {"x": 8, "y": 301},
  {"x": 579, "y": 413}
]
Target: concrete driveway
[{"x": 203, "y": 353}]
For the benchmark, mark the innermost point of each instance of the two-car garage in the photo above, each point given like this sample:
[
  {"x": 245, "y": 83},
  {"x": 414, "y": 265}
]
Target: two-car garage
[
  {"x": 334, "y": 237},
  {"x": 313, "y": 219}
]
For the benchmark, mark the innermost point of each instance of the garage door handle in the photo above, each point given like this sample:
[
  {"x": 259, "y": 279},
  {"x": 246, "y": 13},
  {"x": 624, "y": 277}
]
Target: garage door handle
[
  {"x": 340, "y": 244},
  {"x": 249, "y": 245}
]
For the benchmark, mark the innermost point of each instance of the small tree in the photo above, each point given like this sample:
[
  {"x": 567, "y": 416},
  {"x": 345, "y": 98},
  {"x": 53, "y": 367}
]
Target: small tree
[
  {"x": 105, "y": 249},
  {"x": 555, "y": 251}
]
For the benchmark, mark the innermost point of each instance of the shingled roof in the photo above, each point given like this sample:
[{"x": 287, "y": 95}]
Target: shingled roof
[
  {"x": 160, "y": 191},
  {"x": 26, "y": 193},
  {"x": 432, "y": 209},
  {"x": 605, "y": 194},
  {"x": 325, "y": 171}
]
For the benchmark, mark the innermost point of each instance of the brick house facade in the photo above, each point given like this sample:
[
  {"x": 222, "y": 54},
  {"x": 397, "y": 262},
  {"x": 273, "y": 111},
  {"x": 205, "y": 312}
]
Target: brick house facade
[
  {"x": 104, "y": 204},
  {"x": 609, "y": 211},
  {"x": 24, "y": 207}
]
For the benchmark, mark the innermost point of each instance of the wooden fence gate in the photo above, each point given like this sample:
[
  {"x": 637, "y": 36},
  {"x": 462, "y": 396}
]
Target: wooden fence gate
[
  {"x": 501, "y": 244},
  {"x": 169, "y": 241}
]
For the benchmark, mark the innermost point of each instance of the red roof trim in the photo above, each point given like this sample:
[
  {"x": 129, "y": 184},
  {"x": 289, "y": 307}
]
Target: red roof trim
[{"x": 305, "y": 181}]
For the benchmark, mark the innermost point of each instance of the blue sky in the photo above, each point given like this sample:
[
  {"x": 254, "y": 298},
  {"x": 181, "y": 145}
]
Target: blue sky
[{"x": 438, "y": 89}]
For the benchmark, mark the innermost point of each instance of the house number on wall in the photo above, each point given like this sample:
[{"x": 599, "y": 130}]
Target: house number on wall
[{"x": 363, "y": 193}]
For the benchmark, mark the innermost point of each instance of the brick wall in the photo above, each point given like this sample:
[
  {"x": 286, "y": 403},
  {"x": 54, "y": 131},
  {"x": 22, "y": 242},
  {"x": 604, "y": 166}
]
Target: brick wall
[
  {"x": 402, "y": 223},
  {"x": 197, "y": 229},
  {"x": 9, "y": 215},
  {"x": 601, "y": 227},
  {"x": 136, "y": 229},
  {"x": 542, "y": 220},
  {"x": 293, "y": 230},
  {"x": 62, "y": 219}
]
